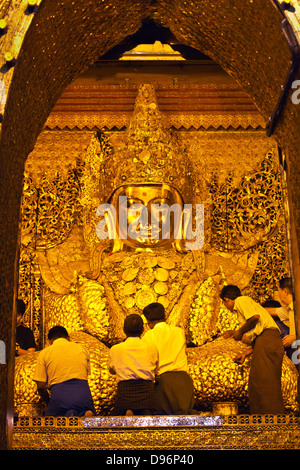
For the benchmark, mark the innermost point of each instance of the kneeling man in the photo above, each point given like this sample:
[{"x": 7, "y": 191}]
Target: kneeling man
[
  {"x": 63, "y": 368},
  {"x": 174, "y": 389}
]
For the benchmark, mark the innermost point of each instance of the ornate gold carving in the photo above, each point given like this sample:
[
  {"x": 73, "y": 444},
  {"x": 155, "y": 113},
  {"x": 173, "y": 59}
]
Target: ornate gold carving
[
  {"x": 31, "y": 291},
  {"x": 250, "y": 216},
  {"x": 177, "y": 121},
  {"x": 183, "y": 106},
  {"x": 58, "y": 197},
  {"x": 246, "y": 215}
]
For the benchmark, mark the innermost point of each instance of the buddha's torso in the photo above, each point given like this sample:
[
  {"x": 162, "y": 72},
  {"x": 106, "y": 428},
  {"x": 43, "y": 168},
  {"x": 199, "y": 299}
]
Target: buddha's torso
[{"x": 139, "y": 278}]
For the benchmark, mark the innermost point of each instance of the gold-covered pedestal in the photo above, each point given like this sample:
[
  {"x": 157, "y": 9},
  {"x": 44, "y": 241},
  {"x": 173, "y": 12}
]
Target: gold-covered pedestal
[
  {"x": 89, "y": 285},
  {"x": 186, "y": 433}
]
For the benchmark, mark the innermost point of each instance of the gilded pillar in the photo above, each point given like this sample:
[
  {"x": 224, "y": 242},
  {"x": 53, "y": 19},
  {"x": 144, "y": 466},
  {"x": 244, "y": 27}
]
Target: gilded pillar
[{"x": 7, "y": 335}]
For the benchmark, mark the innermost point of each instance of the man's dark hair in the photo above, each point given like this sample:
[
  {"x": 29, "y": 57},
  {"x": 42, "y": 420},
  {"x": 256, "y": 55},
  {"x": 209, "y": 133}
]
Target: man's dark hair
[
  {"x": 286, "y": 283},
  {"x": 20, "y": 306},
  {"x": 57, "y": 332},
  {"x": 154, "y": 312},
  {"x": 271, "y": 303},
  {"x": 133, "y": 325},
  {"x": 230, "y": 292}
]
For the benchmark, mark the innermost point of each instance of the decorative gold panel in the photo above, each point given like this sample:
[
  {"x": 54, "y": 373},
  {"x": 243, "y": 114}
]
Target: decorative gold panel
[{"x": 188, "y": 106}]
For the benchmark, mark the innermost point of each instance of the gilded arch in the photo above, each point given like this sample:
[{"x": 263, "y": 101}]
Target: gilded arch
[{"x": 58, "y": 41}]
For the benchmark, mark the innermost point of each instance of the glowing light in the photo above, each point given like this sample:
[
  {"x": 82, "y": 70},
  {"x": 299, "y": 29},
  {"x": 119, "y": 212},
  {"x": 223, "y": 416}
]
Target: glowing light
[{"x": 3, "y": 24}]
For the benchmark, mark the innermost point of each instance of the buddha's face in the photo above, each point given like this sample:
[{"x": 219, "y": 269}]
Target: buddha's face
[{"x": 147, "y": 215}]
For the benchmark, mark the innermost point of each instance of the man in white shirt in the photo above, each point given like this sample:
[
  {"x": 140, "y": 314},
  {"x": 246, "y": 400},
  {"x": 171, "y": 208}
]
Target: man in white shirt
[
  {"x": 134, "y": 363},
  {"x": 264, "y": 386},
  {"x": 174, "y": 390},
  {"x": 63, "y": 367}
]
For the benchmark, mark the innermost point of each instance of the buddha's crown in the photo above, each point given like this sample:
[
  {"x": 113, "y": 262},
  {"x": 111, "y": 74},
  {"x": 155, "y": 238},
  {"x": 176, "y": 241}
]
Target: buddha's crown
[{"x": 150, "y": 154}]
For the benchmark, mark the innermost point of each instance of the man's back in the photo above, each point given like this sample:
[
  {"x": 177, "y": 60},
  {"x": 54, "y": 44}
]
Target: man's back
[
  {"x": 63, "y": 360},
  {"x": 171, "y": 345},
  {"x": 133, "y": 359}
]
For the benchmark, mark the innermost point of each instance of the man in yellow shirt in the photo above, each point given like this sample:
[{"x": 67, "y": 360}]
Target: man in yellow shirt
[
  {"x": 63, "y": 367},
  {"x": 174, "y": 390},
  {"x": 264, "y": 386}
]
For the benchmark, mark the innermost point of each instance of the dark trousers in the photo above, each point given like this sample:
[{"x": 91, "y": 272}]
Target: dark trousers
[
  {"x": 264, "y": 385},
  {"x": 174, "y": 393},
  {"x": 135, "y": 395},
  {"x": 70, "y": 398}
]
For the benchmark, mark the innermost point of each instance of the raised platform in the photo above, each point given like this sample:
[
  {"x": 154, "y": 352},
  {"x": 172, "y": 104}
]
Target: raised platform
[{"x": 167, "y": 433}]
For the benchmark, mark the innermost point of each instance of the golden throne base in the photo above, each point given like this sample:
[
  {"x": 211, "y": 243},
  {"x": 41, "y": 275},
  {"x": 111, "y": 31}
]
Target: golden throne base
[{"x": 157, "y": 433}]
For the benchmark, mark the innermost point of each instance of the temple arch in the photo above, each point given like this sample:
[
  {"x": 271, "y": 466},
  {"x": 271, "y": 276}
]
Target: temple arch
[{"x": 49, "y": 47}]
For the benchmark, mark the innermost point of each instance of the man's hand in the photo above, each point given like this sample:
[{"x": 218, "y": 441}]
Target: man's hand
[
  {"x": 240, "y": 358},
  {"x": 235, "y": 334},
  {"x": 228, "y": 334},
  {"x": 43, "y": 392}
]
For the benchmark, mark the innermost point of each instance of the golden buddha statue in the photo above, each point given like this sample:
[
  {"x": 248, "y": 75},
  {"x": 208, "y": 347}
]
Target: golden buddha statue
[{"x": 138, "y": 251}]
